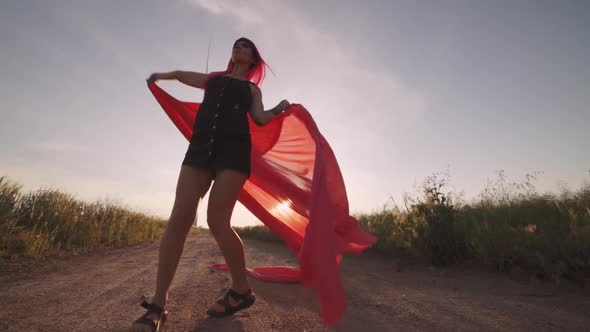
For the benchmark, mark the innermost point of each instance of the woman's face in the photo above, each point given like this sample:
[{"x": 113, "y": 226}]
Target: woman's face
[{"x": 242, "y": 53}]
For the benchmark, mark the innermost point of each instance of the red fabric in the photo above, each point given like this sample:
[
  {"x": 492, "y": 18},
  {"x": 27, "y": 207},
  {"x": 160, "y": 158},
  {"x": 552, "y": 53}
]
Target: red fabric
[{"x": 296, "y": 189}]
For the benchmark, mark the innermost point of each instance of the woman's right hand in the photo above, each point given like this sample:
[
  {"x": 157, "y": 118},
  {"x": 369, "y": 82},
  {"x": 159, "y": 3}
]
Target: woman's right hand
[{"x": 153, "y": 77}]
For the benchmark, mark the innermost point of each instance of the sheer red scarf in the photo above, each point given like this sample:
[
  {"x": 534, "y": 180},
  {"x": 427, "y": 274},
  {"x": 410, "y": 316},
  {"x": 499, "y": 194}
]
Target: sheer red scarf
[{"x": 296, "y": 189}]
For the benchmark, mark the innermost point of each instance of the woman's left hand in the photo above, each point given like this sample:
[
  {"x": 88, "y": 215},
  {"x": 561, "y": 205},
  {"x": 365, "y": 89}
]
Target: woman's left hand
[{"x": 284, "y": 104}]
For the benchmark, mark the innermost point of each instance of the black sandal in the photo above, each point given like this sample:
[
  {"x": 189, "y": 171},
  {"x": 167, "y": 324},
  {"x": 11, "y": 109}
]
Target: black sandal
[
  {"x": 247, "y": 300},
  {"x": 152, "y": 308}
]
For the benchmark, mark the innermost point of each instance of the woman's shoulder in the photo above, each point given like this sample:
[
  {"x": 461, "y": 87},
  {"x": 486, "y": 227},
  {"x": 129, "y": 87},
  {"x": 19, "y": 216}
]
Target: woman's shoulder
[
  {"x": 254, "y": 89},
  {"x": 213, "y": 77}
]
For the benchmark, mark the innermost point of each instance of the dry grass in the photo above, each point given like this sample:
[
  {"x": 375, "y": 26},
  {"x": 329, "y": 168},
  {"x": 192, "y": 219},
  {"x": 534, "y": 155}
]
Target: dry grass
[
  {"x": 44, "y": 222},
  {"x": 509, "y": 225}
]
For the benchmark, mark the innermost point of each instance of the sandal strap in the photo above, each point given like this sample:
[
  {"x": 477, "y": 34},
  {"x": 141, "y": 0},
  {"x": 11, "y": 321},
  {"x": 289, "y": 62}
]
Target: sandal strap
[
  {"x": 146, "y": 321},
  {"x": 246, "y": 299},
  {"x": 225, "y": 302},
  {"x": 152, "y": 307},
  {"x": 237, "y": 296}
]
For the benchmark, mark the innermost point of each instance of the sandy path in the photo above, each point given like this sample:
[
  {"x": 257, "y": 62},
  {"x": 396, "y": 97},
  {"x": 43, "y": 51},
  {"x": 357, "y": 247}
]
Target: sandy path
[{"x": 101, "y": 292}]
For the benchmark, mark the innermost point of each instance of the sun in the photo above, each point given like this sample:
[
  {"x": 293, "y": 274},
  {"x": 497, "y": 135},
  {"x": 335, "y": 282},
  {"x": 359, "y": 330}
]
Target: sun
[{"x": 281, "y": 207}]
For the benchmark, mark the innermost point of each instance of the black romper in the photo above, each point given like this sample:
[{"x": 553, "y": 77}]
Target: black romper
[{"x": 221, "y": 133}]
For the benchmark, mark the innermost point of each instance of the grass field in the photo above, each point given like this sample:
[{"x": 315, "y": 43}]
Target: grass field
[
  {"x": 509, "y": 226},
  {"x": 44, "y": 222}
]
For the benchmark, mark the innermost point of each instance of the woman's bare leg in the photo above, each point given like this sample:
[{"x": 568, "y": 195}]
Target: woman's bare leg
[
  {"x": 222, "y": 199},
  {"x": 193, "y": 184}
]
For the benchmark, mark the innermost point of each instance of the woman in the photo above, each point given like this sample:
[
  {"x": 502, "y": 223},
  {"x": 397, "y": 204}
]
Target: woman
[{"x": 219, "y": 149}]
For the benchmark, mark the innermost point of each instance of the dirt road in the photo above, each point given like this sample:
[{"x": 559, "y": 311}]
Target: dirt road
[{"x": 101, "y": 292}]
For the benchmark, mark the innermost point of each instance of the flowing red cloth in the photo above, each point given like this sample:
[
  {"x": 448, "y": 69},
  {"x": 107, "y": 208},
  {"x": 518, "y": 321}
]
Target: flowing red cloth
[{"x": 296, "y": 189}]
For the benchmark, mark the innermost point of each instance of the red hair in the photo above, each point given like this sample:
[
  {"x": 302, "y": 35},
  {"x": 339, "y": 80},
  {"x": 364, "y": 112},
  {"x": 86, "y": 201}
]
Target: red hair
[{"x": 256, "y": 73}]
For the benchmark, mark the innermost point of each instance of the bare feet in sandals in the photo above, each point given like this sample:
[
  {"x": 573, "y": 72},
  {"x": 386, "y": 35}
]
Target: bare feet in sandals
[
  {"x": 231, "y": 302},
  {"x": 152, "y": 320}
]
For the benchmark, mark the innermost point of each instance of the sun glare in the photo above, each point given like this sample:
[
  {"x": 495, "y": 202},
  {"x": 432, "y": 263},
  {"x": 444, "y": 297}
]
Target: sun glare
[{"x": 282, "y": 207}]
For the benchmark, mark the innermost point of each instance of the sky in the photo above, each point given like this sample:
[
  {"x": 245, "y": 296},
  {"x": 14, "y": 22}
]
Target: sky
[{"x": 400, "y": 89}]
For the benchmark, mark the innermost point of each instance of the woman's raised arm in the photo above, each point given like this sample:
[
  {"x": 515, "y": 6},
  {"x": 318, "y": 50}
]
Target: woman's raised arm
[{"x": 194, "y": 79}]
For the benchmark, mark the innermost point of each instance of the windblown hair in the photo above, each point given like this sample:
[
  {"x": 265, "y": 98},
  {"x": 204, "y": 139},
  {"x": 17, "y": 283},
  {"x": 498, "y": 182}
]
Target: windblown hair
[{"x": 257, "y": 71}]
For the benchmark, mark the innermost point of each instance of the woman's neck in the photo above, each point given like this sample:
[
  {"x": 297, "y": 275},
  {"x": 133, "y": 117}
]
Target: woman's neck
[{"x": 240, "y": 71}]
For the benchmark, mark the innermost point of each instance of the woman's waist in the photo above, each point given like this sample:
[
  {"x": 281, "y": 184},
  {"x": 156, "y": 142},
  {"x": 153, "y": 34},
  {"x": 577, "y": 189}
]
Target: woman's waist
[{"x": 221, "y": 135}]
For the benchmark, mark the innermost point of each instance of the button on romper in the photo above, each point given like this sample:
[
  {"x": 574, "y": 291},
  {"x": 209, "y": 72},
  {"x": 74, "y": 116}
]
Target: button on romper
[{"x": 221, "y": 133}]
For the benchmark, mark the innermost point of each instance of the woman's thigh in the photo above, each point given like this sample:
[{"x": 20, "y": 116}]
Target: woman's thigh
[
  {"x": 193, "y": 183},
  {"x": 224, "y": 194}
]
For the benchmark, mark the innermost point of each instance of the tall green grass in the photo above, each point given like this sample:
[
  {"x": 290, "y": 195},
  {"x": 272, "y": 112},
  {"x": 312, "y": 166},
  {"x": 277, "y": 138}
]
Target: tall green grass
[
  {"x": 44, "y": 222},
  {"x": 257, "y": 232},
  {"x": 508, "y": 225}
]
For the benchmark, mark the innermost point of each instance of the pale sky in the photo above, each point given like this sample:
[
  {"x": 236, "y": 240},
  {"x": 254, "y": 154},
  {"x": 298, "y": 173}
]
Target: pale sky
[{"x": 400, "y": 89}]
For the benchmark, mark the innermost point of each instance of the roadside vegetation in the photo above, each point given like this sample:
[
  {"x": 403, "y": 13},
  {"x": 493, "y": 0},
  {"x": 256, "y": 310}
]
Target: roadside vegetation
[
  {"x": 45, "y": 222},
  {"x": 509, "y": 226}
]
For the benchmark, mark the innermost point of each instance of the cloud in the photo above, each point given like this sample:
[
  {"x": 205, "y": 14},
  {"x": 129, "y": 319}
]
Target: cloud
[
  {"x": 247, "y": 11},
  {"x": 272, "y": 18},
  {"x": 55, "y": 145},
  {"x": 310, "y": 54}
]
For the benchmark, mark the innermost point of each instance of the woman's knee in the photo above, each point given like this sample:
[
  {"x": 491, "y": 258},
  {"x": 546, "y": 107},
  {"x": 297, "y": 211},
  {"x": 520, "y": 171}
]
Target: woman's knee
[
  {"x": 217, "y": 225},
  {"x": 183, "y": 216}
]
